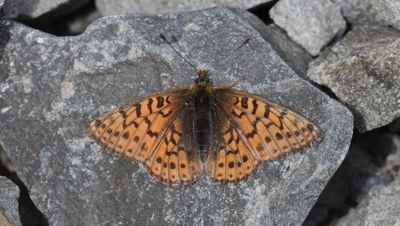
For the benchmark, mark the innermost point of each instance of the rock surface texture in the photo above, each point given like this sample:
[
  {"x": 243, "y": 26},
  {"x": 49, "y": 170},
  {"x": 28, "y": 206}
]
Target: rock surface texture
[
  {"x": 118, "y": 7},
  {"x": 9, "y": 193},
  {"x": 56, "y": 85},
  {"x": 310, "y": 23},
  {"x": 384, "y": 12},
  {"x": 363, "y": 72}
]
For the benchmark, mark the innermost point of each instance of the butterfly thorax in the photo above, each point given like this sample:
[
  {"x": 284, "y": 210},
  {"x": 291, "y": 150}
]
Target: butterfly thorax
[{"x": 202, "y": 113}]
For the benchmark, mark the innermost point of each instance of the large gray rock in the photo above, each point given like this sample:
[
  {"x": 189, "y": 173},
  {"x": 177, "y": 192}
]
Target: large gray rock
[
  {"x": 363, "y": 71},
  {"x": 9, "y": 193},
  {"x": 37, "y": 8},
  {"x": 310, "y": 23},
  {"x": 56, "y": 85},
  {"x": 385, "y": 12},
  {"x": 117, "y": 7}
]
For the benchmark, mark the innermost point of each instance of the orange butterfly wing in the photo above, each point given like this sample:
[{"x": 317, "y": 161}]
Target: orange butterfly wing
[
  {"x": 254, "y": 130},
  {"x": 150, "y": 131}
]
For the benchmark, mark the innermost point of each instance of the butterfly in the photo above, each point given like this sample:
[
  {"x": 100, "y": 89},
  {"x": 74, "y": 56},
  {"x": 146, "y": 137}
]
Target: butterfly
[{"x": 181, "y": 134}]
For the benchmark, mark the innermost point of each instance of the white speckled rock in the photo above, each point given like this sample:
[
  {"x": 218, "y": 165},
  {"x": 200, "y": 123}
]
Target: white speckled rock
[
  {"x": 385, "y": 12},
  {"x": 117, "y": 7},
  {"x": 9, "y": 193},
  {"x": 56, "y": 85},
  {"x": 363, "y": 71},
  {"x": 310, "y": 23}
]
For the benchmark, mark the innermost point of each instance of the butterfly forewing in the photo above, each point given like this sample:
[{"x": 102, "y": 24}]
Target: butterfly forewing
[{"x": 150, "y": 131}]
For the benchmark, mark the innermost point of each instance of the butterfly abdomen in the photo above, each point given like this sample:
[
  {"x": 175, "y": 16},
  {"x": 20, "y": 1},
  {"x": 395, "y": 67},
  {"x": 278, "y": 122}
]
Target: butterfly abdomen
[{"x": 201, "y": 126}]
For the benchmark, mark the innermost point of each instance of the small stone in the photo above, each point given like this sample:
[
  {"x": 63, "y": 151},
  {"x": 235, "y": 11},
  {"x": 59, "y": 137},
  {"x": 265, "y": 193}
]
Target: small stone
[
  {"x": 384, "y": 12},
  {"x": 310, "y": 23},
  {"x": 363, "y": 72}
]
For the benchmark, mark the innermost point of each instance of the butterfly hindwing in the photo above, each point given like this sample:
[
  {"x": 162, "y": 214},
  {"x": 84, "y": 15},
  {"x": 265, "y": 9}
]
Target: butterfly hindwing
[
  {"x": 149, "y": 130},
  {"x": 230, "y": 158},
  {"x": 175, "y": 161}
]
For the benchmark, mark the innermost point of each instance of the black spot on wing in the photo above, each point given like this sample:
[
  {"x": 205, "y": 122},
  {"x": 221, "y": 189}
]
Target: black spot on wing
[
  {"x": 133, "y": 122},
  {"x": 151, "y": 133},
  {"x": 267, "y": 110},
  {"x": 235, "y": 152},
  {"x": 125, "y": 135},
  {"x": 238, "y": 115},
  {"x": 168, "y": 100},
  {"x": 278, "y": 136},
  {"x": 236, "y": 101},
  {"x": 149, "y": 105},
  {"x": 160, "y": 101},
  {"x": 244, "y": 102},
  {"x": 137, "y": 109},
  {"x": 164, "y": 115},
  {"x": 255, "y": 106}
]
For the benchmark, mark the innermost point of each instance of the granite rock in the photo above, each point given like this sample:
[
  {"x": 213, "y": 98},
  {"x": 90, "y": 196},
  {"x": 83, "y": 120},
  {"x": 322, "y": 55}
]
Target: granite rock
[
  {"x": 9, "y": 193},
  {"x": 310, "y": 23},
  {"x": 362, "y": 71},
  {"x": 37, "y": 8},
  {"x": 384, "y": 12},
  {"x": 117, "y": 7},
  {"x": 56, "y": 85}
]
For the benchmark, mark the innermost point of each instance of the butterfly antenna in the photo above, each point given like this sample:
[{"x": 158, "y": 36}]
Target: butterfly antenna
[
  {"x": 186, "y": 59},
  {"x": 219, "y": 64},
  {"x": 241, "y": 79}
]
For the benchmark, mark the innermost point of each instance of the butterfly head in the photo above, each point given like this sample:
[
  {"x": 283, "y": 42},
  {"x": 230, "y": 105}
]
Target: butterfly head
[{"x": 202, "y": 80}]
